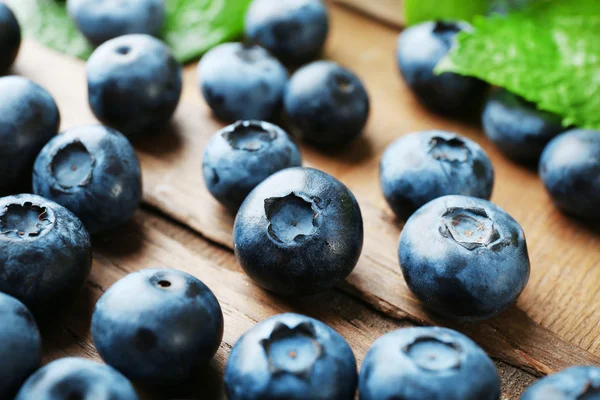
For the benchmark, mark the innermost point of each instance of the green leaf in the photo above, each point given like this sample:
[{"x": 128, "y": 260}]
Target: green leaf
[
  {"x": 191, "y": 28},
  {"x": 548, "y": 53},
  {"x": 416, "y": 11}
]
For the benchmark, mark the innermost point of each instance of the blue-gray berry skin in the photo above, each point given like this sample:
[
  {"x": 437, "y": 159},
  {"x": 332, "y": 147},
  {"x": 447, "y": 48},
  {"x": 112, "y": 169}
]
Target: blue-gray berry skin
[
  {"x": 575, "y": 383},
  {"x": 326, "y": 104},
  {"x": 242, "y": 82},
  {"x": 291, "y": 356},
  {"x": 517, "y": 127},
  {"x": 420, "y": 49},
  {"x": 570, "y": 170},
  {"x": 427, "y": 363},
  {"x": 134, "y": 84},
  {"x": 293, "y": 30},
  {"x": 21, "y": 345},
  {"x": 76, "y": 378},
  {"x": 45, "y": 252},
  {"x": 10, "y": 37},
  {"x": 299, "y": 232},
  {"x": 29, "y": 118},
  {"x": 464, "y": 257},
  {"x": 240, "y": 156},
  {"x": 157, "y": 325},
  {"x": 422, "y": 166},
  {"x": 102, "y": 20},
  {"x": 93, "y": 171}
]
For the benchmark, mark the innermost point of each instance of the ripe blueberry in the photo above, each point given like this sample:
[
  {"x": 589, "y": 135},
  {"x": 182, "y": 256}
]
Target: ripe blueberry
[
  {"x": 102, "y": 20},
  {"x": 425, "y": 165},
  {"x": 10, "y": 38},
  {"x": 157, "y": 325},
  {"x": 45, "y": 252},
  {"x": 293, "y": 30},
  {"x": 420, "y": 49},
  {"x": 575, "y": 383},
  {"x": 74, "y": 379},
  {"x": 134, "y": 84},
  {"x": 570, "y": 170},
  {"x": 290, "y": 356},
  {"x": 93, "y": 171},
  {"x": 299, "y": 232},
  {"x": 425, "y": 363},
  {"x": 28, "y": 119},
  {"x": 464, "y": 257},
  {"x": 242, "y": 82},
  {"x": 326, "y": 104}
]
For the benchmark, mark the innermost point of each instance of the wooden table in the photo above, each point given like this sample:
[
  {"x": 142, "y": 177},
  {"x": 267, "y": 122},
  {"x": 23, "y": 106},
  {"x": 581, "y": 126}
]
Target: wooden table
[{"x": 555, "y": 323}]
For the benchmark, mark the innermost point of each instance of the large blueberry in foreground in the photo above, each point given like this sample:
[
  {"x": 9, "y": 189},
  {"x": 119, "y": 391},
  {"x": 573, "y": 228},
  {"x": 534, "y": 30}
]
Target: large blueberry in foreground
[
  {"x": 45, "y": 252},
  {"x": 420, "y": 49},
  {"x": 425, "y": 165},
  {"x": 517, "y": 127},
  {"x": 10, "y": 37},
  {"x": 427, "y": 363},
  {"x": 242, "y": 155},
  {"x": 464, "y": 257},
  {"x": 100, "y": 21},
  {"x": 290, "y": 356},
  {"x": 570, "y": 170},
  {"x": 28, "y": 119},
  {"x": 299, "y": 232},
  {"x": 575, "y": 383},
  {"x": 294, "y": 30},
  {"x": 20, "y": 345},
  {"x": 240, "y": 81},
  {"x": 326, "y": 104},
  {"x": 94, "y": 172},
  {"x": 134, "y": 84},
  {"x": 157, "y": 325},
  {"x": 76, "y": 379}
]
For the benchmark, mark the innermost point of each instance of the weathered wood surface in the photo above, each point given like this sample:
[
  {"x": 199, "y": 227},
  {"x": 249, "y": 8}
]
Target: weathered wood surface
[{"x": 556, "y": 321}]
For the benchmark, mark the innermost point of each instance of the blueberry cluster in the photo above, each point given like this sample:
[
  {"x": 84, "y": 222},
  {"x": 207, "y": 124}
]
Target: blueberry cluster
[{"x": 298, "y": 231}]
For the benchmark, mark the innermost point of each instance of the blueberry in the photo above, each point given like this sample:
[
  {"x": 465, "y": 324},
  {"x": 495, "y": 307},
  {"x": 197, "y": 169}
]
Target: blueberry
[
  {"x": 134, "y": 84},
  {"x": 294, "y": 30},
  {"x": 20, "y": 345},
  {"x": 242, "y": 155},
  {"x": 420, "y": 48},
  {"x": 517, "y": 127},
  {"x": 102, "y": 20},
  {"x": 425, "y": 165},
  {"x": 45, "y": 252},
  {"x": 157, "y": 325},
  {"x": 76, "y": 379},
  {"x": 10, "y": 38},
  {"x": 28, "y": 119},
  {"x": 290, "y": 356},
  {"x": 424, "y": 363},
  {"x": 93, "y": 171},
  {"x": 326, "y": 104},
  {"x": 464, "y": 257},
  {"x": 241, "y": 81},
  {"x": 575, "y": 383},
  {"x": 299, "y": 232},
  {"x": 570, "y": 170}
]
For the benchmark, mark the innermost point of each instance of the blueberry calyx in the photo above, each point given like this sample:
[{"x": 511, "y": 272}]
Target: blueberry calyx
[
  {"x": 450, "y": 150},
  {"x": 292, "y": 350},
  {"x": 72, "y": 165},
  {"x": 292, "y": 218},
  {"x": 589, "y": 389},
  {"x": 433, "y": 353},
  {"x": 249, "y": 135},
  {"x": 469, "y": 227},
  {"x": 25, "y": 221}
]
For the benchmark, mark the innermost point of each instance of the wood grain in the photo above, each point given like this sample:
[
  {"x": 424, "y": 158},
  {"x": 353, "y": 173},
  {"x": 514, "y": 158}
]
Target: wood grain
[{"x": 556, "y": 321}]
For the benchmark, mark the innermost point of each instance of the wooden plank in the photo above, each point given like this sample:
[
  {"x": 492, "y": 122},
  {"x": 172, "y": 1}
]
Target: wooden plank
[
  {"x": 150, "y": 241},
  {"x": 388, "y": 11},
  {"x": 555, "y": 323}
]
